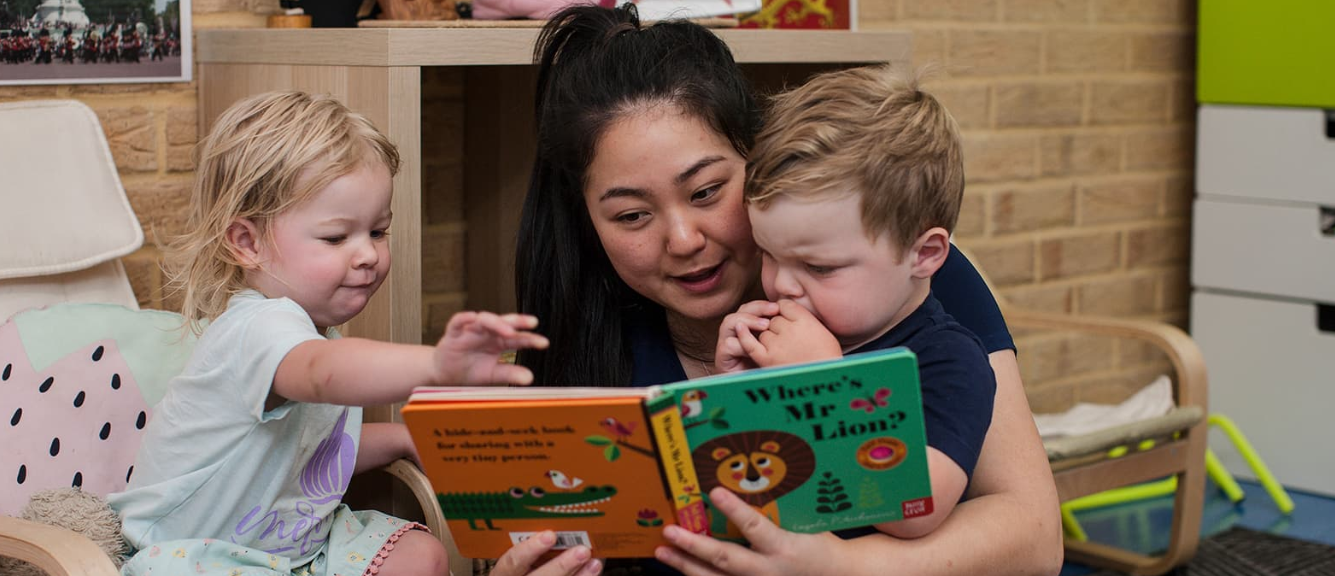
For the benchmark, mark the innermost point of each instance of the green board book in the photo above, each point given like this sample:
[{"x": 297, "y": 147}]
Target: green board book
[{"x": 814, "y": 447}]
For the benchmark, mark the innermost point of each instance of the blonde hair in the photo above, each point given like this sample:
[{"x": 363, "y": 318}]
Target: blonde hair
[
  {"x": 868, "y": 131},
  {"x": 264, "y": 155}
]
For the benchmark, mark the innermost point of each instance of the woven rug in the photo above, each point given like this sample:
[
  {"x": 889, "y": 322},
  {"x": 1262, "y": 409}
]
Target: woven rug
[{"x": 1243, "y": 552}]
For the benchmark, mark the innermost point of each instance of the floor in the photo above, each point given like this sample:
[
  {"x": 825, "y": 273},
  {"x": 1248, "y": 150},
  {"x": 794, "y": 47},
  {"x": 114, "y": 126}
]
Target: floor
[{"x": 1143, "y": 526}]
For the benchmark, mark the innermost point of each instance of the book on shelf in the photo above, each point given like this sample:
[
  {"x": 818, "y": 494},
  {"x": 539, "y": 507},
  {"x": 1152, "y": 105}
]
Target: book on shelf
[{"x": 814, "y": 447}]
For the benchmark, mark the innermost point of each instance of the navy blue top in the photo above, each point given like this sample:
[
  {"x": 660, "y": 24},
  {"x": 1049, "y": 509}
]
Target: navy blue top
[{"x": 958, "y": 385}]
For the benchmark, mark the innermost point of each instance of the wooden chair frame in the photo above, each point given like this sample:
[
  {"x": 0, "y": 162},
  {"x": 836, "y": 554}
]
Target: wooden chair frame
[{"x": 1180, "y": 454}]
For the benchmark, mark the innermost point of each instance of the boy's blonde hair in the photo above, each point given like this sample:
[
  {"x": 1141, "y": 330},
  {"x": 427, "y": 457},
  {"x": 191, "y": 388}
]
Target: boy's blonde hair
[
  {"x": 264, "y": 155},
  {"x": 868, "y": 131}
]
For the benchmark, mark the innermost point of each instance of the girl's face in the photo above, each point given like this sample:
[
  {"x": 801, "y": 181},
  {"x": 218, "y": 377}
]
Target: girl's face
[
  {"x": 664, "y": 192},
  {"x": 330, "y": 253}
]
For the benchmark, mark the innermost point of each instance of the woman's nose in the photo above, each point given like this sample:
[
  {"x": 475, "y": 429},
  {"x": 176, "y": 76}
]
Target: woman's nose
[{"x": 684, "y": 236}]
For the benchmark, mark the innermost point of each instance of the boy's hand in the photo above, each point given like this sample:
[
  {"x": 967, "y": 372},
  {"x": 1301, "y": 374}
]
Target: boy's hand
[
  {"x": 794, "y": 336},
  {"x": 471, "y": 349},
  {"x": 753, "y": 316}
]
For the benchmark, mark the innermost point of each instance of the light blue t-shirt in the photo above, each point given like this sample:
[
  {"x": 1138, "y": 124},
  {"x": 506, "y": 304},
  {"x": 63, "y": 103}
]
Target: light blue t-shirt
[{"x": 215, "y": 464}]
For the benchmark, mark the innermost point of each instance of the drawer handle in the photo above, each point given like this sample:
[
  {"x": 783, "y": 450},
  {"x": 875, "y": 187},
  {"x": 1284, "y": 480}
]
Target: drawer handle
[
  {"x": 1327, "y": 221},
  {"x": 1325, "y": 317},
  {"x": 1330, "y": 124}
]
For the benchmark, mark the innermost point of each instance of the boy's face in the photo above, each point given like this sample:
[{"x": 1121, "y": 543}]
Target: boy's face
[
  {"x": 330, "y": 253},
  {"x": 817, "y": 254}
]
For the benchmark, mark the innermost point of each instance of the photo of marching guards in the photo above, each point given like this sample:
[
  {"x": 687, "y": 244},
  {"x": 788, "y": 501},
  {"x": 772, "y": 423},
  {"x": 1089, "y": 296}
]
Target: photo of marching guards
[{"x": 73, "y": 41}]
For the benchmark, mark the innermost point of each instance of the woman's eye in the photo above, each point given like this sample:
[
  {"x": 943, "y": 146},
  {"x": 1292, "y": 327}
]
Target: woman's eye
[
  {"x": 334, "y": 239},
  {"x": 380, "y": 233},
  {"x": 632, "y": 217},
  {"x": 706, "y": 194}
]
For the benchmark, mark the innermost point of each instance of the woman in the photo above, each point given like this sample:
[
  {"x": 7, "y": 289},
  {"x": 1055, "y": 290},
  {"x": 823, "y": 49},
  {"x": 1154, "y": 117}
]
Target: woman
[{"x": 634, "y": 244}]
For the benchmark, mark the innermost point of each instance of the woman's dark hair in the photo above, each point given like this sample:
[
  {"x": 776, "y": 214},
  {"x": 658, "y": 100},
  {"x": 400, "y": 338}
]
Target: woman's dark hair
[{"x": 596, "y": 65}]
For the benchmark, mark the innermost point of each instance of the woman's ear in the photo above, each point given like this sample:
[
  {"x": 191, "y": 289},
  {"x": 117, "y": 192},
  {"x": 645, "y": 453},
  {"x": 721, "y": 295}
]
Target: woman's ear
[
  {"x": 243, "y": 241},
  {"x": 929, "y": 252}
]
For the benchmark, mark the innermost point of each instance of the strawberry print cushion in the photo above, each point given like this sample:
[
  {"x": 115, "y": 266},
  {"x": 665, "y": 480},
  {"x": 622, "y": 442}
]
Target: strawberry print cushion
[{"x": 73, "y": 403}]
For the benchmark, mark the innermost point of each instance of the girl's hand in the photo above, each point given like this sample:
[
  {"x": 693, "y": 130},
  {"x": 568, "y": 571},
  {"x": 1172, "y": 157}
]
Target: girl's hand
[
  {"x": 794, "y": 336},
  {"x": 518, "y": 561},
  {"x": 773, "y": 552},
  {"x": 470, "y": 351},
  {"x": 754, "y": 316}
]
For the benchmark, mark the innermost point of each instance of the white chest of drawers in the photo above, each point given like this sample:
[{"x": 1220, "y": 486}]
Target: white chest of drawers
[{"x": 1263, "y": 272}]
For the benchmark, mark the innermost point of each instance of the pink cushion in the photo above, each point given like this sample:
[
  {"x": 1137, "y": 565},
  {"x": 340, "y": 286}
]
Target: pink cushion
[{"x": 72, "y": 411}]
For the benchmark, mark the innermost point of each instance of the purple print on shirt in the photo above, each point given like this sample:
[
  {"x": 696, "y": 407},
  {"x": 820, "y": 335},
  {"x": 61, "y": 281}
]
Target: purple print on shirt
[
  {"x": 324, "y": 479},
  {"x": 326, "y": 475}
]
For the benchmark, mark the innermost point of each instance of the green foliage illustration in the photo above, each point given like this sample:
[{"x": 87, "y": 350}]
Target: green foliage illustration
[{"x": 831, "y": 497}]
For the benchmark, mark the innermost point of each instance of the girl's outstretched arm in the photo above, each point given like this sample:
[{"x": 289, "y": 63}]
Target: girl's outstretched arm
[{"x": 361, "y": 372}]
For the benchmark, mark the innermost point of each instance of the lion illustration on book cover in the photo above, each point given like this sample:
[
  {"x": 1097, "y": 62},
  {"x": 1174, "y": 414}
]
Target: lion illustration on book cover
[{"x": 759, "y": 466}]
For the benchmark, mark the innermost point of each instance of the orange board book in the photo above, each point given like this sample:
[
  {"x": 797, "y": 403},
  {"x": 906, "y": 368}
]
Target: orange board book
[{"x": 587, "y": 468}]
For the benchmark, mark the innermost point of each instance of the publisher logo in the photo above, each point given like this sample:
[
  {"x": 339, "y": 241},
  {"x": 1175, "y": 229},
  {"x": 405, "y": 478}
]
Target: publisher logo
[{"x": 918, "y": 507}]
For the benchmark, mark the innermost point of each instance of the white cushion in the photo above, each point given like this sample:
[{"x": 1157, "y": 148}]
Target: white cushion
[{"x": 63, "y": 205}]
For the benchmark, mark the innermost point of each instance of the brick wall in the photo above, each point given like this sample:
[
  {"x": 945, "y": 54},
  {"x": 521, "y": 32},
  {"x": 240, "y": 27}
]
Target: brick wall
[
  {"x": 1078, "y": 121},
  {"x": 1078, "y": 126}
]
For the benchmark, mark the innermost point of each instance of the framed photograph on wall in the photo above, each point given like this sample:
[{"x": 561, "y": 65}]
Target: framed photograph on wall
[{"x": 94, "y": 41}]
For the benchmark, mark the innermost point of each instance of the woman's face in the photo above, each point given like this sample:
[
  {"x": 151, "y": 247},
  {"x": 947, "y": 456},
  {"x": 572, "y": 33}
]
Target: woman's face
[{"x": 664, "y": 192}]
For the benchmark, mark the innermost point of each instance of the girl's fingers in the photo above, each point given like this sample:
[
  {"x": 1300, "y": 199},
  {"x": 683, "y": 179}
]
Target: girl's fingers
[
  {"x": 521, "y": 321},
  {"x": 489, "y": 322},
  {"x": 525, "y": 340},
  {"x": 507, "y": 374}
]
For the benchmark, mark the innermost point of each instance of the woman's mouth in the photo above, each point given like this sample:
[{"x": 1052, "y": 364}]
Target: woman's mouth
[{"x": 701, "y": 281}]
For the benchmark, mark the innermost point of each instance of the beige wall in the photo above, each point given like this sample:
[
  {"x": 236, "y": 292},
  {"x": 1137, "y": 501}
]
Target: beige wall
[{"x": 1078, "y": 125}]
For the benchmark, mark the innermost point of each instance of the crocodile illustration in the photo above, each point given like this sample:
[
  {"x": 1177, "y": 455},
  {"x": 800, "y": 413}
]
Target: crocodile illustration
[{"x": 519, "y": 503}]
